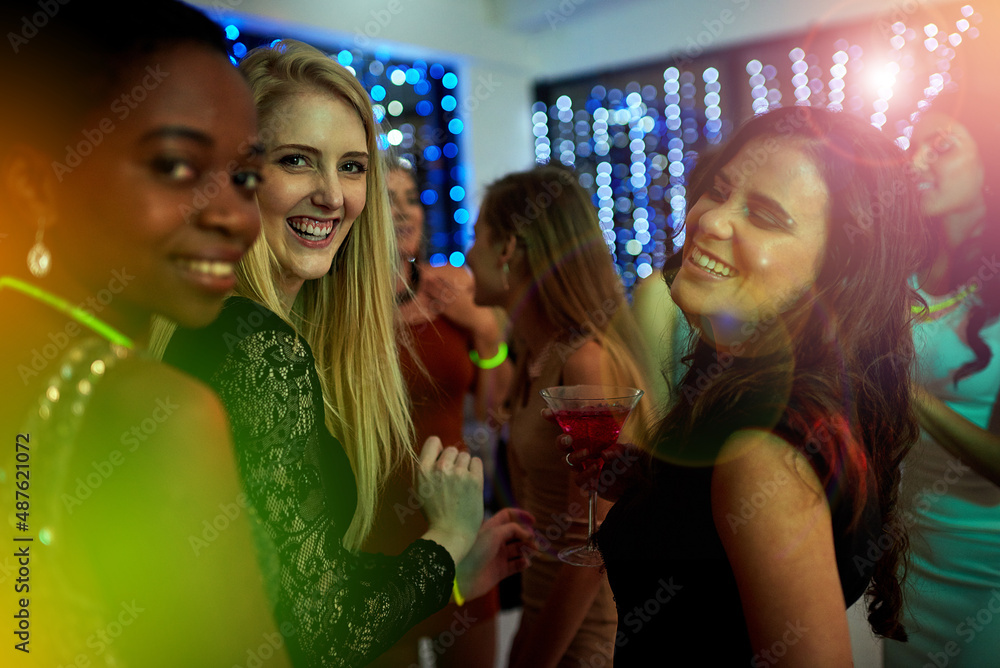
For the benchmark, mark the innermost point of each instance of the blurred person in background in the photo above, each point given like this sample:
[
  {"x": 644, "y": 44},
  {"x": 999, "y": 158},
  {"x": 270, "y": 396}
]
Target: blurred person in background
[
  {"x": 571, "y": 325},
  {"x": 951, "y": 481},
  {"x": 450, "y": 350}
]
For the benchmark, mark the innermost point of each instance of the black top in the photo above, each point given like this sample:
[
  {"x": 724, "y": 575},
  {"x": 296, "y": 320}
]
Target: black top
[
  {"x": 676, "y": 594},
  {"x": 334, "y": 607}
]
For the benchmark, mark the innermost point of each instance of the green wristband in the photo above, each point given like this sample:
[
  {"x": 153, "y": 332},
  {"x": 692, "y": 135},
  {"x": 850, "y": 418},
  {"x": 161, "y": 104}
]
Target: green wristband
[{"x": 492, "y": 362}]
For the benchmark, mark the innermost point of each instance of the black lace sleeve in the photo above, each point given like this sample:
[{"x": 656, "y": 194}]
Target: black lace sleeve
[{"x": 334, "y": 607}]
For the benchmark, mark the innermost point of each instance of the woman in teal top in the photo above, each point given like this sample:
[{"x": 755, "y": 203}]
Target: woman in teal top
[{"x": 950, "y": 488}]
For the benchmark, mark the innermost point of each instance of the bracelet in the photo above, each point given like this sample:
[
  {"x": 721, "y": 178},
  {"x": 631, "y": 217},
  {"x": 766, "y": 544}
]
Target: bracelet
[
  {"x": 458, "y": 595},
  {"x": 492, "y": 362}
]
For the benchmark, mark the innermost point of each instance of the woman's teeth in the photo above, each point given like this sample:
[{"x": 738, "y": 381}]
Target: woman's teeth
[
  {"x": 312, "y": 230},
  {"x": 710, "y": 265},
  {"x": 209, "y": 267}
]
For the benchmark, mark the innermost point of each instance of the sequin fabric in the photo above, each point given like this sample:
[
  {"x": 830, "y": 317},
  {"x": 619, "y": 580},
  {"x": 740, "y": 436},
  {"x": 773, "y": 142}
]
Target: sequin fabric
[
  {"x": 66, "y": 601},
  {"x": 334, "y": 607}
]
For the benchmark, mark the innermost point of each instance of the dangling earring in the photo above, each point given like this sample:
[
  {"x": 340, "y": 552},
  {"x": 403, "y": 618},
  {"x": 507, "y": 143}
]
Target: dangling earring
[
  {"x": 39, "y": 257},
  {"x": 506, "y": 276}
]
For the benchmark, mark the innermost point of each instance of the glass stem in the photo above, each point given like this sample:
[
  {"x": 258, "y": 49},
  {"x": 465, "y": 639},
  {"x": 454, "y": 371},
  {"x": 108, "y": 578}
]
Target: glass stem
[{"x": 590, "y": 520}]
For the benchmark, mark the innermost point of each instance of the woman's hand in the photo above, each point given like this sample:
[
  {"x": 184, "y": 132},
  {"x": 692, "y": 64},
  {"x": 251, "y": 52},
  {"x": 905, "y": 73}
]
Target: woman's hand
[
  {"x": 501, "y": 549},
  {"x": 451, "y": 290},
  {"x": 451, "y": 295},
  {"x": 609, "y": 473},
  {"x": 450, "y": 483}
]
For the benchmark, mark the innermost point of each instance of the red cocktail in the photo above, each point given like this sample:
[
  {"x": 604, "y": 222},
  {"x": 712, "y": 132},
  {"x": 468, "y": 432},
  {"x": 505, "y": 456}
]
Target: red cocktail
[
  {"x": 593, "y": 428},
  {"x": 593, "y": 415}
]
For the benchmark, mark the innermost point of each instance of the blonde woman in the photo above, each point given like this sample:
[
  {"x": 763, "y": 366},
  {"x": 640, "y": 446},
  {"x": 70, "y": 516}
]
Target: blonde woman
[
  {"x": 305, "y": 360},
  {"x": 540, "y": 255}
]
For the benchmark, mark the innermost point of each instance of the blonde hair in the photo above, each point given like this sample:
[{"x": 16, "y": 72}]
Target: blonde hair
[
  {"x": 573, "y": 276},
  {"x": 347, "y": 316}
]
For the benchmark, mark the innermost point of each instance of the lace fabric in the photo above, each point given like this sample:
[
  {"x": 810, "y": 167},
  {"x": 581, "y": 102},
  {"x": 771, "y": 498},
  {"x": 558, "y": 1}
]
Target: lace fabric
[{"x": 334, "y": 607}]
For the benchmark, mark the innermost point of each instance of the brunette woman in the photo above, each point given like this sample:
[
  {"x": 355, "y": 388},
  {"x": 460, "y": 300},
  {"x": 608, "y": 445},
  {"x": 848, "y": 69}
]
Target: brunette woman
[{"x": 776, "y": 469}]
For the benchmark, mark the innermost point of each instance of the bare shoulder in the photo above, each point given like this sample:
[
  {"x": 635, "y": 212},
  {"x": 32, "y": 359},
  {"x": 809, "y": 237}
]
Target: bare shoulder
[
  {"x": 772, "y": 517},
  {"x": 585, "y": 365},
  {"x": 752, "y": 458},
  {"x": 144, "y": 401},
  {"x": 135, "y": 381},
  {"x": 761, "y": 480}
]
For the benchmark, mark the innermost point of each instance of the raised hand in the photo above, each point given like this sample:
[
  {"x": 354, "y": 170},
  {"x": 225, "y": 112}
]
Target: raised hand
[
  {"x": 502, "y": 548},
  {"x": 451, "y": 294},
  {"x": 450, "y": 484}
]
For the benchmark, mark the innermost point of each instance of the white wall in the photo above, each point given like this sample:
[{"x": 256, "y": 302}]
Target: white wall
[
  {"x": 495, "y": 63},
  {"x": 503, "y": 46}
]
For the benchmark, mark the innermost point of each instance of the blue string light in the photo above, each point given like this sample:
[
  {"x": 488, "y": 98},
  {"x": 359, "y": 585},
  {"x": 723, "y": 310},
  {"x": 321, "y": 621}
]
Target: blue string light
[{"x": 420, "y": 119}]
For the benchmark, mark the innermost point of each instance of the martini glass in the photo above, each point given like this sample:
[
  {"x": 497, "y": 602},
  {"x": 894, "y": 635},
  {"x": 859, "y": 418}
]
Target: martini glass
[{"x": 593, "y": 415}]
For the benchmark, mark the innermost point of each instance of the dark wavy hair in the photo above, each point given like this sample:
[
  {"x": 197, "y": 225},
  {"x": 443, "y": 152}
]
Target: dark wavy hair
[
  {"x": 981, "y": 120},
  {"x": 840, "y": 386}
]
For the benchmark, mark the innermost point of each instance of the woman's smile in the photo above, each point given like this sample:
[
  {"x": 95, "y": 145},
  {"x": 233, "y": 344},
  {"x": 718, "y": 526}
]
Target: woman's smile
[
  {"x": 312, "y": 232},
  {"x": 710, "y": 264}
]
